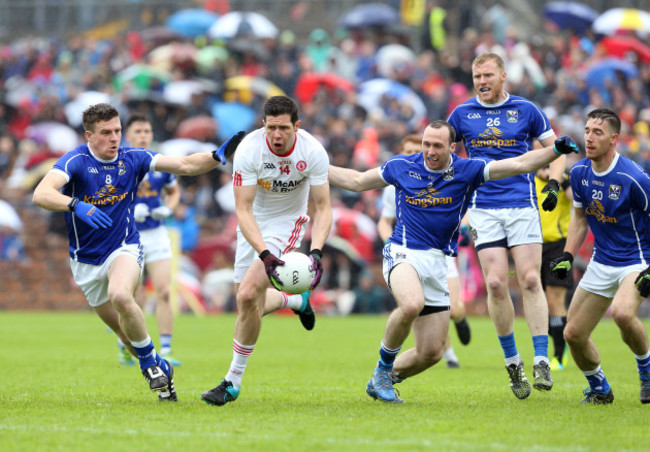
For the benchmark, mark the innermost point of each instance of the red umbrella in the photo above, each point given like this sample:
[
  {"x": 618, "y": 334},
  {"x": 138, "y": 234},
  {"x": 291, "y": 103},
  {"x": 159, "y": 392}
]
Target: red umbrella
[
  {"x": 198, "y": 128},
  {"x": 620, "y": 45},
  {"x": 309, "y": 84}
]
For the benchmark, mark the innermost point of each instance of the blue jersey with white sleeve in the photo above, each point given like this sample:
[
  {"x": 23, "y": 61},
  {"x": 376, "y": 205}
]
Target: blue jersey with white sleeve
[
  {"x": 150, "y": 191},
  {"x": 617, "y": 208},
  {"x": 496, "y": 132},
  {"x": 430, "y": 204},
  {"x": 111, "y": 187}
]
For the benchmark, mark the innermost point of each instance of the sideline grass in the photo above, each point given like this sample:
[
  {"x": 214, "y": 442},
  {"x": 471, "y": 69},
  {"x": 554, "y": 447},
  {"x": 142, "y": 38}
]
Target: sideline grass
[{"x": 61, "y": 388}]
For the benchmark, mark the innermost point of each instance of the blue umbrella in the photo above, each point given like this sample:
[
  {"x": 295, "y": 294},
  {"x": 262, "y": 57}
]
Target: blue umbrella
[
  {"x": 369, "y": 15},
  {"x": 608, "y": 69},
  {"x": 232, "y": 117},
  {"x": 192, "y": 22},
  {"x": 574, "y": 15}
]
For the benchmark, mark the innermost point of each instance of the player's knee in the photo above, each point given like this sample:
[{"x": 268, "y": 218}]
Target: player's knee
[
  {"x": 622, "y": 317},
  {"x": 162, "y": 294},
  {"x": 497, "y": 287},
  {"x": 431, "y": 356},
  {"x": 121, "y": 298},
  {"x": 412, "y": 309},
  {"x": 531, "y": 282},
  {"x": 573, "y": 335}
]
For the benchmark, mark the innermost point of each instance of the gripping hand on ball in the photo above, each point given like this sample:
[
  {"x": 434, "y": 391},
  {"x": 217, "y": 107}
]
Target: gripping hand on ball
[
  {"x": 316, "y": 256},
  {"x": 228, "y": 148},
  {"x": 565, "y": 145},
  {"x": 270, "y": 263},
  {"x": 643, "y": 282},
  {"x": 92, "y": 216},
  {"x": 561, "y": 265}
]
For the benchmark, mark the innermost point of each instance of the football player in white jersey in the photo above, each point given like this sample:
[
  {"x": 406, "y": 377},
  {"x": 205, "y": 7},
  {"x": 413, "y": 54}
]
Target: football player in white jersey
[
  {"x": 96, "y": 184},
  {"x": 275, "y": 170},
  {"x": 503, "y": 214},
  {"x": 412, "y": 144},
  {"x": 611, "y": 196},
  {"x": 432, "y": 190}
]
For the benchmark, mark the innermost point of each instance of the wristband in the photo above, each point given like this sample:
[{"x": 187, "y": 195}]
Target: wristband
[
  {"x": 317, "y": 252},
  {"x": 556, "y": 151},
  {"x": 263, "y": 254},
  {"x": 73, "y": 204}
]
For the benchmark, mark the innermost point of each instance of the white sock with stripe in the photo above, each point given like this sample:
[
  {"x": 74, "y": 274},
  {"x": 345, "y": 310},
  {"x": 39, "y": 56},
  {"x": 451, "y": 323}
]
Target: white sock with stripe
[{"x": 240, "y": 355}]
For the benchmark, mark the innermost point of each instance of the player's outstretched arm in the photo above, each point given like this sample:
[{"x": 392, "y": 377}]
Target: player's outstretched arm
[
  {"x": 533, "y": 160},
  {"x": 354, "y": 180},
  {"x": 47, "y": 193}
]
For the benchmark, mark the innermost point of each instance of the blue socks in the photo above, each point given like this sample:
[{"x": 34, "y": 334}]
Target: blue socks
[
  {"x": 387, "y": 357},
  {"x": 540, "y": 344},
  {"x": 597, "y": 381},
  {"x": 508, "y": 345},
  {"x": 643, "y": 362},
  {"x": 147, "y": 355}
]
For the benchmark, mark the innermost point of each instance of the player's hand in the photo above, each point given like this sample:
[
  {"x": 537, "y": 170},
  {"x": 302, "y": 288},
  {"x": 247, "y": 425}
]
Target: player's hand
[
  {"x": 140, "y": 212},
  {"x": 228, "y": 148},
  {"x": 565, "y": 145},
  {"x": 270, "y": 263},
  {"x": 92, "y": 216},
  {"x": 161, "y": 212},
  {"x": 561, "y": 265},
  {"x": 551, "y": 189},
  {"x": 463, "y": 235},
  {"x": 316, "y": 257},
  {"x": 643, "y": 282}
]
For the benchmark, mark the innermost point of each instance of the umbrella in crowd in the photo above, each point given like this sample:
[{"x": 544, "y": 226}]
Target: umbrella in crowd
[
  {"x": 197, "y": 127},
  {"x": 620, "y": 46},
  {"x": 184, "y": 146},
  {"x": 607, "y": 70},
  {"x": 143, "y": 77},
  {"x": 374, "y": 93},
  {"x": 59, "y": 138},
  {"x": 191, "y": 22},
  {"x": 207, "y": 57},
  {"x": 573, "y": 15},
  {"x": 19, "y": 90},
  {"x": 73, "y": 110},
  {"x": 247, "y": 86},
  {"x": 174, "y": 54},
  {"x": 232, "y": 117},
  {"x": 369, "y": 15},
  {"x": 308, "y": 84},
  {"x": 393, "y": 59},
  {"x": 622, "y": 19},
  {"x": 242, "y": 24},
  {"x": 180, "y": 92},
  {"x": 159, "y": 35}
]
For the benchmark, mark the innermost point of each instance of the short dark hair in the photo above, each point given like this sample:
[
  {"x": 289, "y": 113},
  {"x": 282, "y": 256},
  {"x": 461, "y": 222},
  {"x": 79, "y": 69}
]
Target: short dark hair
[
  {"x": 608, "y": 116},
  {"x": 137, "y": 117},
  {"x": 440, "y": 124},
  {"x": 281, "y": 105},
  {"x": 96, "y": 113}
]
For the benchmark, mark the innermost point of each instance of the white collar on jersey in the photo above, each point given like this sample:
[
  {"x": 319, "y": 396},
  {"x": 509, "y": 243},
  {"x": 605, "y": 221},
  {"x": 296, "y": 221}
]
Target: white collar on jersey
[
  {"x": 608, "y": 170},
  {"x": 97, "y": 158},
  {"x": 493, "y": 105}
]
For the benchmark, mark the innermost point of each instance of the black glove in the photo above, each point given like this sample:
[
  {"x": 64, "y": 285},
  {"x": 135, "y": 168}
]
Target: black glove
[
  {"x": 643, "y": 282},
  {"x": 561, "y": 265},
  {"x": 316, "y": 266},
  {"x": 270, "y": 263},
  {"x": 228, "y": 148},
  {"x": 565, "y": 145},
  {"x": 551, "y": 189},
  {"x": 463, "y": 235}
]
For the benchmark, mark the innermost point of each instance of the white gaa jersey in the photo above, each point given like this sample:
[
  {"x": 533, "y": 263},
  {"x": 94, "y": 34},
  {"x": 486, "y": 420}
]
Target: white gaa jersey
[{"x": 282, "y": 181}]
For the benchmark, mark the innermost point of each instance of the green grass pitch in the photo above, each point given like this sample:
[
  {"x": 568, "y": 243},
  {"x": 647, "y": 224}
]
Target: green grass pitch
[{"x": 61, "y": 388}]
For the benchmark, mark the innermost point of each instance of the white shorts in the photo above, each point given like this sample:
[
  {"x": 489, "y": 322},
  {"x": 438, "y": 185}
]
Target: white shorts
[
  {"x": 93, "y": 279},
  {"x": 604, "y": 279},
  {"x": 431, "y": 266},
  {"x": 156, "y": 243},
  {"x": 511, "y": 227},
  {"x": 281, "y": 235},
  {"x": 452, "y": 268}
]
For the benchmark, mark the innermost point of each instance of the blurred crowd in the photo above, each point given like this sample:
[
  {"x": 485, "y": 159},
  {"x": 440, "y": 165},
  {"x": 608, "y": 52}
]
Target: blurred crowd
[{"x": 360, "y": 91}]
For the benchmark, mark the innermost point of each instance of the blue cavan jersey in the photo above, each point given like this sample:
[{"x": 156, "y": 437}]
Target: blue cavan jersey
[
  {"x": 111, "y": 187},
  {"x": 430, "y": 204},
  {"x": 497, "y": 132},
  {"x": 149, "y": 192},
  {"x": 615, "y": 203}
]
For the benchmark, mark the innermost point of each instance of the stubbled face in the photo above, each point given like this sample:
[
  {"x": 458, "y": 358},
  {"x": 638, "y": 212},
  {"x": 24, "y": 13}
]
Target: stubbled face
[
  {"x": 105, "y": 140},
  {"x": 436, "y": 148},
  {"x": 140, "y": 134},
  {"x": 410, "y": 148},
  {"x": 280, "y": 133},
  {"x": 488, "y": 82},
  {"x": 599, "y": 139}
]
